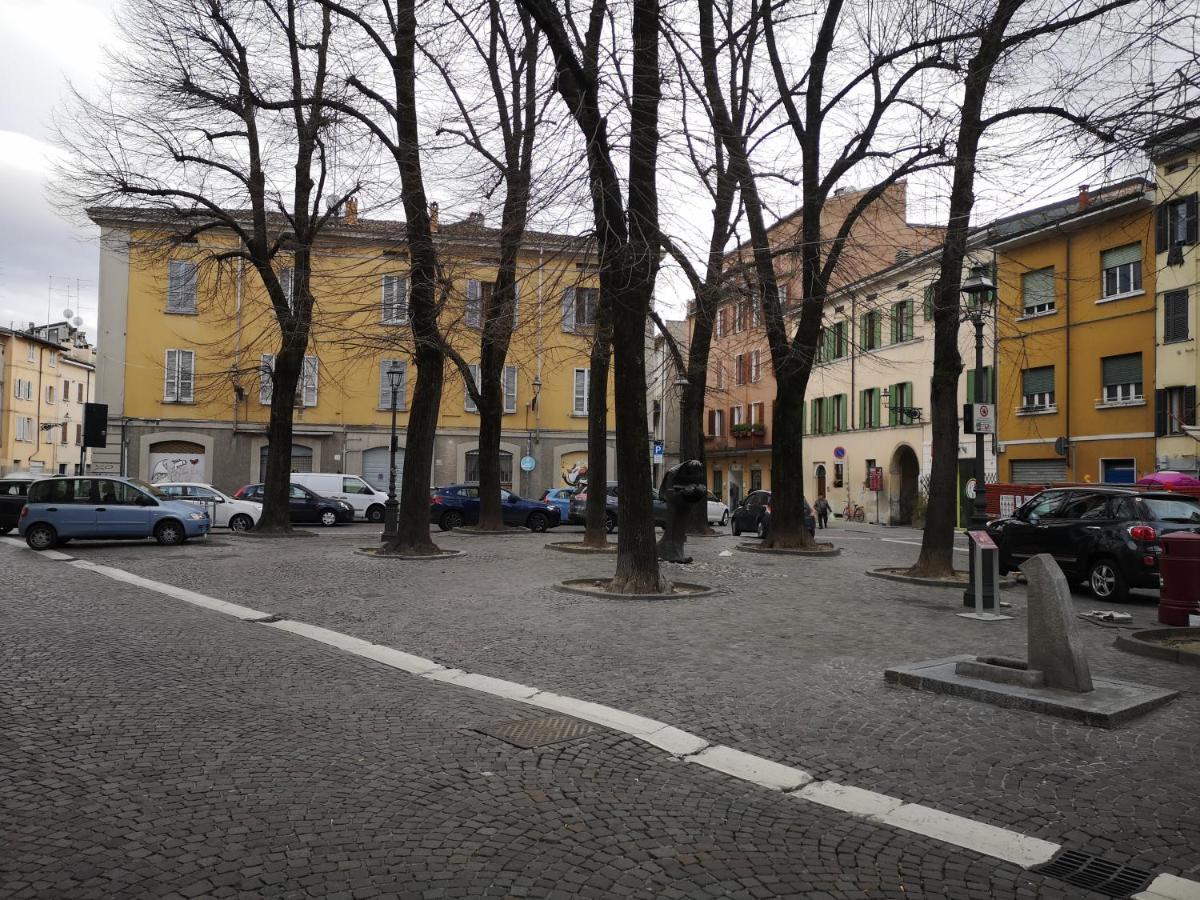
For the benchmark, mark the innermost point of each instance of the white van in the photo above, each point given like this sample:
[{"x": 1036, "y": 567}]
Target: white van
[{"x": 367, "y": 502}]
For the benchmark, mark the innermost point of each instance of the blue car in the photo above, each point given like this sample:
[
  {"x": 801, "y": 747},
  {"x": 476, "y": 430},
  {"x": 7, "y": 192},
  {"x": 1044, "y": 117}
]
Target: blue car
[
  {"x": 62, "y": 509},
  {"x": 561, "y": 498},
  {"x": 458, "y": 504}
]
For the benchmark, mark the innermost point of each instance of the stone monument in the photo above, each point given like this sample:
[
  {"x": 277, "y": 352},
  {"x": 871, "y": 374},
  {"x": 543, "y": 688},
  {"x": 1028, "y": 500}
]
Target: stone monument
[{"x": 683, "y": 485}]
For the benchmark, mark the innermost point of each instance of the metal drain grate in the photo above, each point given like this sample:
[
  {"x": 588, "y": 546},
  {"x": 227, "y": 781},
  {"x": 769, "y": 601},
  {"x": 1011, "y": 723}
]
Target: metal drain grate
[
  {"x": 528, "y": 733},
  {"x": 1086, "y": 870}
]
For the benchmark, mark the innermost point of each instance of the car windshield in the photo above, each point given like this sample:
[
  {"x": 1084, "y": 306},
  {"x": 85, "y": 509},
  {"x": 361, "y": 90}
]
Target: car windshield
[
  {"x": 1173, "y": 510},
  {"x": 151, "y": 489}
]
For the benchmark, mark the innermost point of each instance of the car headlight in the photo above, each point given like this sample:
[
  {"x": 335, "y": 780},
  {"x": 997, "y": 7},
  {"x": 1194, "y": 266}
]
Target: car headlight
[
  {"x": 197, "y": 516},
  {"x": 345, "y": 505},
  {"x": 550, "y": 509}
]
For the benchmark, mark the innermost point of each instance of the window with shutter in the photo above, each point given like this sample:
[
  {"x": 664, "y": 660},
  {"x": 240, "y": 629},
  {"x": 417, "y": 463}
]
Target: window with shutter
[
  {"x": 266, "y": 376},
  {"x": 307, "y": 392},
  {"x": 287, "y": 281},
  {"x": 468, "y": 403},
  {"x": 568, "y": 310},
  {"x": 181, "y": 287},
  {"x": 1121, "y": 270},
  {"x": 586, "y": 302},
  {"x": 187, "y": 376},
  {"x": 580, "y": 404},
  {"x": 1175, "y": 316},
  {"x": 385, "y": 384},
  {"x": 474, "y": 298},
  {"x": 516, "y": 316},
  {"x": 394, "y": 300},
  {"x": 1122, "y": 378},
  {"x": 1037, "y": 387},
  {"x": 927, "y": 302},
  {"x": 754, "y": 372},
  {"x": 510, "y": 389},
  {"x": 1178, "y": 223},
  {"x": 739, "y": 365},
  {"x": 171, "y": 377},
  {"x": 1037, "y": 291}
]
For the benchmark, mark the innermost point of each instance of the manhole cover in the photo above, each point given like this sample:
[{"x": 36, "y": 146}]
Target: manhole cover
[
  {"x": 528, "y": 733},
  {"x": 1086, "y": 870}
]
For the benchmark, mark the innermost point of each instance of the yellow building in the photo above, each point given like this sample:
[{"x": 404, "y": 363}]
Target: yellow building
[
  {"x": 184, "y": 342},
  {"x": 47, "y": 374},
  {"x": 1076, "y": 348},
  {"x": 1176, "y": 157}
]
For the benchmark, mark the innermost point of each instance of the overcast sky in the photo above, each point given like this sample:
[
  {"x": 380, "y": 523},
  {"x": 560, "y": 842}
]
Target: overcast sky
[{"x": 43, "y": 258}]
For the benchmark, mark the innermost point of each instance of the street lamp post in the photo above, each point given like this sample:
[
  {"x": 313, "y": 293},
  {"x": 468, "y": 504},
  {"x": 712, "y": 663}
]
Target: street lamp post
[
  {"x": 532, "y": 435},
  {"x": 391, "y": 507},
  {"x": 979, "y": 289}
]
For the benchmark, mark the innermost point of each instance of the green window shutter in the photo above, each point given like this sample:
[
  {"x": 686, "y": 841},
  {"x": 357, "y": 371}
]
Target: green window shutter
[
  {"x": 970, "y": 385},
  {"x": 989, "y": 384},
  {"x": 878, "y": 328},
  {"x": 1119, "y": 256},
  {"x": 927, "y": 305},
  {"x": 895, "y": 327},
  {"x": 816, "y": 416},
  {"x": 875, "y": 397},
  {"x": 827, "y": 409},
  {"x": 864, "y": 330},
  {"x": 846, "y": 412},
  {"x": 864, "y": 397},
  {"x": 803, "y": 422},
  {"x": 909, "y": 318},
  {"x": 908, "y": 393},
  {"x": 892, "y": 399}
]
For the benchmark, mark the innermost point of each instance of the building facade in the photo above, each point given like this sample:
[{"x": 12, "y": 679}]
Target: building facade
[
  {"x": 868, "y": 397},
  {"x": 47, "y": 374},
  {"x": 663, "y": 394},
  {"x": 741, "y": 383},
  {"x": 1176, "y": 158},
  {"x": 1076, "y": 285},
  {"x": 186, "y": 348}
]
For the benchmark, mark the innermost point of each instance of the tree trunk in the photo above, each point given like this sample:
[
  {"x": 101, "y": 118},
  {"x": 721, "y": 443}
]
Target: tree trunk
[
  {"x": 787, "y": 464},
  {"x": 596, "y": 509},
  {"x": 285, "y": 375},
  {"x": 491, "y": 515},
  {"x": 691, "y": 432}
]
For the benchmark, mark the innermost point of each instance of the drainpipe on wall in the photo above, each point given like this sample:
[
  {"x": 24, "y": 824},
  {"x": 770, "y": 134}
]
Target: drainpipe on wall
[{"x": 1067, "y": 420}]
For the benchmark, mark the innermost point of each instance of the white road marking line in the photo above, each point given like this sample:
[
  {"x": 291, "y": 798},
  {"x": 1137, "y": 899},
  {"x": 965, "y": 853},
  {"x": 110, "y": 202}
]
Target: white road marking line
[
  {"x": 1170, "y": 887},
  {"x": 749, "y": 767},
  {"x": 48, "y": 554},
  {"x": 988, "y": 840}
]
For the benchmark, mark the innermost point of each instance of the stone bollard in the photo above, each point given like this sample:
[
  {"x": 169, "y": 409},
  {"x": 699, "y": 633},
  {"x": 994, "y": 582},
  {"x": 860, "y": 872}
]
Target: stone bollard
[{"x": 1054, "y": 646}]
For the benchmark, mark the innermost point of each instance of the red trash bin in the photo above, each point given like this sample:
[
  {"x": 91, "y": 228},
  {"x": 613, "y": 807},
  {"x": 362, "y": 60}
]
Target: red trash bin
[{"x": 1179, "y": 597}]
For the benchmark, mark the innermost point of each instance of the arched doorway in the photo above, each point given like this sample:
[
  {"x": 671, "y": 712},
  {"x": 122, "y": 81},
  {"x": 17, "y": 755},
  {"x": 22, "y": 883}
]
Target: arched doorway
[
  {"x": 375, "y": 467},
  {"x": 177, "y": 461},
  {"x": 903, "y": 474},
  {"x": 820, "y": 473},
  {"x": 302, "y": 460}
]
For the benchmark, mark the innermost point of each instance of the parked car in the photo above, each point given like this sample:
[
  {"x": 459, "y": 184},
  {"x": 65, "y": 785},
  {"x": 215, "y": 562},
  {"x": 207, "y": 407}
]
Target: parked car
[
  {"x": 62, "y": 509},
  {"x": 457, "y": 505},
  {"x": 304, "y": 505},
  {"x": 755, "y": 515},
  {"x": 1107, "y": 538},
  {"x": 225, "y": 511},
  {"x": 368, "y": 502},
  {"x": 578, "y": 514},
  {"x": 718, "y": 512},
  {"x": 560, "y": 498},
  {"x": 13, "y": 491}
]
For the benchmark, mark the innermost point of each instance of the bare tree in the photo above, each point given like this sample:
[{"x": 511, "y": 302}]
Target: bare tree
[
  {"x": 628, "y": 243},
  {"x": 216, "y": 125}
]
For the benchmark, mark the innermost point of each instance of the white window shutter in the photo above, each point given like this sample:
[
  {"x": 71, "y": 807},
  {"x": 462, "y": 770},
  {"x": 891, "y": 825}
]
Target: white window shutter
[
  {"x": 171, "y": 378},
  {"x": 394, "y": 300},
  {"x": 287, "y": 278},
  {"x": 510, "y": 389},
  {"x": 473, "y": 294},
  {"x": 187, "y": 376},
  {"x": 568, "y": 310},
  {"x": 266, "y": 378},
  {"x": 181, "y": 286},
  {"x": 580, "y": 407},
  {"x": 311, "y": 369},
  {"x": 516, "y": 304},
  {"x": 468, "y": 403},
  {"x": 385, "y": 387}
]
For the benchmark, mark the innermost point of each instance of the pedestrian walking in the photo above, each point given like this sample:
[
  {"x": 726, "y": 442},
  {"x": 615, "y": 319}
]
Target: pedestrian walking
[{"x": 822, "y": 508}]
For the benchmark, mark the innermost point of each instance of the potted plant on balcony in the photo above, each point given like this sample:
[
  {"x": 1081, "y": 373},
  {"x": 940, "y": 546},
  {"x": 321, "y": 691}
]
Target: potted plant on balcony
[{"x": 748, "y": 434}]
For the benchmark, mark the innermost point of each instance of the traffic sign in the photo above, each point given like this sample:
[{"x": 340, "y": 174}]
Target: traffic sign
[
  {"x": 528, "y": 463},
  {"x": 658, "y": 451},
  {"x": 839, "y": 452},
  {"x": 875, "y": 479}
]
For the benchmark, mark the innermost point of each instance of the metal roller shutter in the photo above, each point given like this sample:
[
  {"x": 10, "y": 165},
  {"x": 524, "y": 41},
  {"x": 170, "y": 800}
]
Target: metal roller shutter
[{"x": 1038, "y": 471}]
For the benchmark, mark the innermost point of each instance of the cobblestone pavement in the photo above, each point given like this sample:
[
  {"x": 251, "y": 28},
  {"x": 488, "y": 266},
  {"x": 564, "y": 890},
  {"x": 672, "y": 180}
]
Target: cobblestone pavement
[
  {"x": 788, "y": 664},
  {"x": 151, "y": 749}
]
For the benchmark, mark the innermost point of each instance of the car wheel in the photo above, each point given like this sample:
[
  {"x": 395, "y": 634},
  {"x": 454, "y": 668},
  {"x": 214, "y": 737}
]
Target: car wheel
[
  {"x": 41, "y": 537},
  {"x": 451, "y": 519},
  {"x": 241, "y": 522},
  {"x": 735, "y": 527},
  {"x": 725, "y": 517},
  {"x": 538, "y": 522},
  {"x": 1107, "y": 582},
  {"x": 610, "y": 522},
  {"x": 375, "y": 514},
  {"x": 328, "y": 518},
  {"x": 761, "y": 529},
  {"x": 169, "y": 533}
]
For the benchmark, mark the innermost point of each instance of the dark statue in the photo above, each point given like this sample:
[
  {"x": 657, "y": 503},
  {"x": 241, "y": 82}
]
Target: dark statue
[{"x": 683, "y": 485}]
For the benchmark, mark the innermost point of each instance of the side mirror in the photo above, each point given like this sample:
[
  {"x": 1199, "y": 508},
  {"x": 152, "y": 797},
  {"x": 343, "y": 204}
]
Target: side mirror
[
  {"x": 513, "y": 498},
  {"x": 1034, "y": 518}
]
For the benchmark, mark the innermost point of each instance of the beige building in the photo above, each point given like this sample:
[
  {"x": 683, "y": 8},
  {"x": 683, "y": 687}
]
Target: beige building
[
  {"x": 47, "y": 373},
  {"x": 663, "y": 394},
  {"x": 1176, "y": 157},
  {"x": 868, "y": 397}
]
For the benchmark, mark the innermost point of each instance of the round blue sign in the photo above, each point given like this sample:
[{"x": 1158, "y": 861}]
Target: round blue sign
[
  {"x": 528, "y": 463},
  {"x": 839, "y": 452}
]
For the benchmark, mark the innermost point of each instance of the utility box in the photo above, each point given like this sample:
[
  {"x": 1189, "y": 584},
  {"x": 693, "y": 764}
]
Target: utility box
[{"x": 1179, "y": 568}]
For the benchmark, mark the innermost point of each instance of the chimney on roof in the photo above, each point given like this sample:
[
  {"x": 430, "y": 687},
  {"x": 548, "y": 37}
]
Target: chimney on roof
[
  {"x": 1084, "y": 198},
  {"x": 433, "y": 217},
  {"x": 351, "y": 217},
  {"x": 475, "y": 218}
]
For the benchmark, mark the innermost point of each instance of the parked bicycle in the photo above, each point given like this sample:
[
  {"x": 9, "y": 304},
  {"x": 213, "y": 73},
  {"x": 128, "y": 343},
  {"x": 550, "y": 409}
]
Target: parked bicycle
[{"x": 854, "y": 513}]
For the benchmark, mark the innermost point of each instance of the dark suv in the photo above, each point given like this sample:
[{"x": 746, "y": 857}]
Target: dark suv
[
  {"x": 457, "y": 505},
  {"x": 13, "y": 491},
  {"x": 1104, "y": 537},
  {"x": 754, "y": 514},
  {"x": 578, "y": 514}
]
